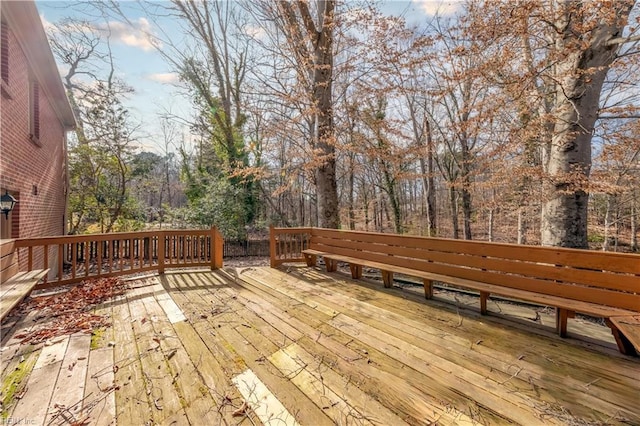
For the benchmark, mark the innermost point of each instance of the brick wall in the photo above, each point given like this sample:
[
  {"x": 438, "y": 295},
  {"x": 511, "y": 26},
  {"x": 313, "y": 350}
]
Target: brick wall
[{"x": 34, "y": 173}]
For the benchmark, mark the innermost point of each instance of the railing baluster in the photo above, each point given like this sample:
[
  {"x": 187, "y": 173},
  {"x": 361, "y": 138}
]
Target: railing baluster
[
  {"x": 86, "y": 248},
  {"x": 74, "y": 248},
  {"x": 155, "y": 242},
  {"x": 109, "y": 254},
  {"x": 99, "y": 263},
  {"x": 121, "y": 253},
  {"x": 191, "y": 242},
  {"x": 130, "y": 254},
  {"x": 45, "y": 260},
  {"x": 60, "y": 261},
  {"x": 184, "y": 249}
]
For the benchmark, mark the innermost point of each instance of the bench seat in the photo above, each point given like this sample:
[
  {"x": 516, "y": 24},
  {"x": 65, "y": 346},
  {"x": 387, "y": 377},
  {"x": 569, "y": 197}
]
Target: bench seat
[
  {"x": 16, "y": 288},
  {"x": 625, "y": 324}
]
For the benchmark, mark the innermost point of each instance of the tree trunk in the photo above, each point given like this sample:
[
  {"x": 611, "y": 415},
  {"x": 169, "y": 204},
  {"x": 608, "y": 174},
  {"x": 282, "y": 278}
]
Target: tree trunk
[
  {"x": 390, "y": 187},
  {"x": 606, "y": 244},
  {"x": 465, "y": 168},
  {"x": 579, "y": 75},
  {"x": 426, "y": 168},
  {"x": 466, "y": 212},
  {"x": 453, "y": 201},
  {"x": 491, "y": 220},
  {"x": 634, "y": 224},
  {"x": 365, "y": 205},
  {"x": 351, "y": 194},
  {"x": 322, "y": 91},
  {"x": 522, "y": 227}
]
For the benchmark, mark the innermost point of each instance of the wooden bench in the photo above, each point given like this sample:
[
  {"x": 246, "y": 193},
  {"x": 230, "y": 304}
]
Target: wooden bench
[
  {"x": 599, "y": 284},
  {"x": 14, "y": 285}
]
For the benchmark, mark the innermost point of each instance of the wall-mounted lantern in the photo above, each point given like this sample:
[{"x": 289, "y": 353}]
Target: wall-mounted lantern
[{"x": 7, "y": 203}]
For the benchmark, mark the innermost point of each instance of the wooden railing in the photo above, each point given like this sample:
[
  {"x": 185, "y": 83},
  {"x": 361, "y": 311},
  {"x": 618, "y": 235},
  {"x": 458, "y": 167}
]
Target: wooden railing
[
  {"x": 74, "y": 258},
  {"x": 286, "y": 244}
]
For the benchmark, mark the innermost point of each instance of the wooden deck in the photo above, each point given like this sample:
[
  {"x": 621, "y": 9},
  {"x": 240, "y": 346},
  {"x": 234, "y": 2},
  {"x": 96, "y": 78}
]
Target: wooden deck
[{"x": 298, "y": 346}]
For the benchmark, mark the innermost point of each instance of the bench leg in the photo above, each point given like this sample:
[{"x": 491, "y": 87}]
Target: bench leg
[
  {"x": 484, "y": 296},
  {"x": 428, "y": 288},
  {"x": 356, "y": 271},
  {"x": 311, "y": 259},
  {"x": 624, "y": 345},
  {"x": 561, "y": 320},
  {"x": 387, "y": 278},
  {"x": 332, "y": 265}
]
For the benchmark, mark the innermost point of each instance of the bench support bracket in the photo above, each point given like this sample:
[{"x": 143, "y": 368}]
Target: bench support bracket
[
  {"x": 484, "y": 296},
  {"x": 311, "y": 259},
  {"x": 428, "y": 288},
  {"x": 624, "y": 345},
  {"x": 387, "y": 278},
  {"x": 561, "y": 320},
  {"x": 332, "y": 265},
  {"x": 356, "y": 271}
]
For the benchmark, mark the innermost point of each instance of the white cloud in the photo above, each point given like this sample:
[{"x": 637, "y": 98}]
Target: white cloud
[
  {"x": 139, "y": 34},
  {"x": 167, "y": 77},
  {"x": 438, "y": 7}
]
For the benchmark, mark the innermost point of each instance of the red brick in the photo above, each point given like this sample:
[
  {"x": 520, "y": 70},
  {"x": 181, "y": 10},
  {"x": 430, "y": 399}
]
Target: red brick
[{"x": 23, "y": 163}]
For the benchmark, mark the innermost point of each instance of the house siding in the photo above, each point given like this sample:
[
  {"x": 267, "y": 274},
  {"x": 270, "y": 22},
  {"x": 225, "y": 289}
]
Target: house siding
[{"x": 34, "y": 173}]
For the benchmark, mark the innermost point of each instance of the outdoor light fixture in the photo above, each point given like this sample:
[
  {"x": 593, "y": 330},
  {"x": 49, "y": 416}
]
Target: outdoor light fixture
[{"x": 7, "y": 203}]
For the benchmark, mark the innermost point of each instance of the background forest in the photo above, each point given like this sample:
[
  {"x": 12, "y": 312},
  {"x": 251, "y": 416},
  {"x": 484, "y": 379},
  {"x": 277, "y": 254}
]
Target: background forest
[{"x": 511, "y": 121}]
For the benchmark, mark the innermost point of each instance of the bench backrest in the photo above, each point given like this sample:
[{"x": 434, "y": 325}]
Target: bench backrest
[
  {"x": 8, "y": 260},
  {"x": 606, "y": 278}
]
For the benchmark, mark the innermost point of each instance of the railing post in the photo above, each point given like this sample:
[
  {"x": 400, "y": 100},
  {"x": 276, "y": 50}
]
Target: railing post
[
  {"x": 272, "y": 246},
  {"x": 212, "y": 248},
  {"x": 161, "y": 244},
  {"x": 217, "y": 246}
]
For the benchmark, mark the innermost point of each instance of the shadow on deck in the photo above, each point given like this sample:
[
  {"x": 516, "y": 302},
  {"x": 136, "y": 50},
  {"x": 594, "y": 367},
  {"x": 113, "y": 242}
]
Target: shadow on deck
[{"x": 295, "y": 345}]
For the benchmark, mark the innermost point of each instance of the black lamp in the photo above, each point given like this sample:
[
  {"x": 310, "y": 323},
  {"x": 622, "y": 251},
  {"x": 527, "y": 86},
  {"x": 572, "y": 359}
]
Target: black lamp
[{"x": 7, "y": 203}]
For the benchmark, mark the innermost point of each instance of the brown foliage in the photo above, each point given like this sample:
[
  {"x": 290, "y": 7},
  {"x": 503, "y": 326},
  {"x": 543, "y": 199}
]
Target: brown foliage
[{"x": 71, "y": 311}]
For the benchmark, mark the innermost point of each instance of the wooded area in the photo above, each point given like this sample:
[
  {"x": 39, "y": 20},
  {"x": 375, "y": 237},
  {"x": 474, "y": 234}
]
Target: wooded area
[{"x": 508, "y": 121}]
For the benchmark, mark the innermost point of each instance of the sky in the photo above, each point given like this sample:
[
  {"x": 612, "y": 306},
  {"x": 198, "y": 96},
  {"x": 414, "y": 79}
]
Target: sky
[{"x": 140, "y": 65}]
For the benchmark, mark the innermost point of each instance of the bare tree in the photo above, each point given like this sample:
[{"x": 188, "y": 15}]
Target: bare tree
[{"x": 309, "y": 35}]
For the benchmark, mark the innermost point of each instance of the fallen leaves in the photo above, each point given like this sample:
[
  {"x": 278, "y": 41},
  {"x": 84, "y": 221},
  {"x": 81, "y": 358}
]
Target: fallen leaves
[{"x": 70, "y": 312}]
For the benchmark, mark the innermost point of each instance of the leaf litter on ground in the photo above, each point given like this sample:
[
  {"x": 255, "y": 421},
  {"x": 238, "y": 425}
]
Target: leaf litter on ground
[{"x": 70, "y": 311}]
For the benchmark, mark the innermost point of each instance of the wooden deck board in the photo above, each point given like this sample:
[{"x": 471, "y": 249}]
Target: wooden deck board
[
  {"x": 350, "y": 356},
  {"x": 296, "y": 294},
  {"x": 100, "y": 403},
  {"x": 621, "y": 399},
  {"x": 156, "y": 375},
  {"x": 312, "y": 348},
  {"x": 66, "y": 404},
  {"x": 442, "y": 343},
  {"x": 226, "y": 319},
  {"x": 469, "y": 323},
  {"x": 132, "y": 403},
  {"x": 33, "y": 406},
  {"x": 194, "y": 396}
]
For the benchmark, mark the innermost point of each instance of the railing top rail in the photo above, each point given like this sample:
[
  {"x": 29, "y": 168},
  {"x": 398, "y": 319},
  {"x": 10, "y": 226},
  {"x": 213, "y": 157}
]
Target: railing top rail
[
  {"x": 187, "y": 231},
  {"x": 66, "y": 239},
  {"x": 299, "y": 229}
]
